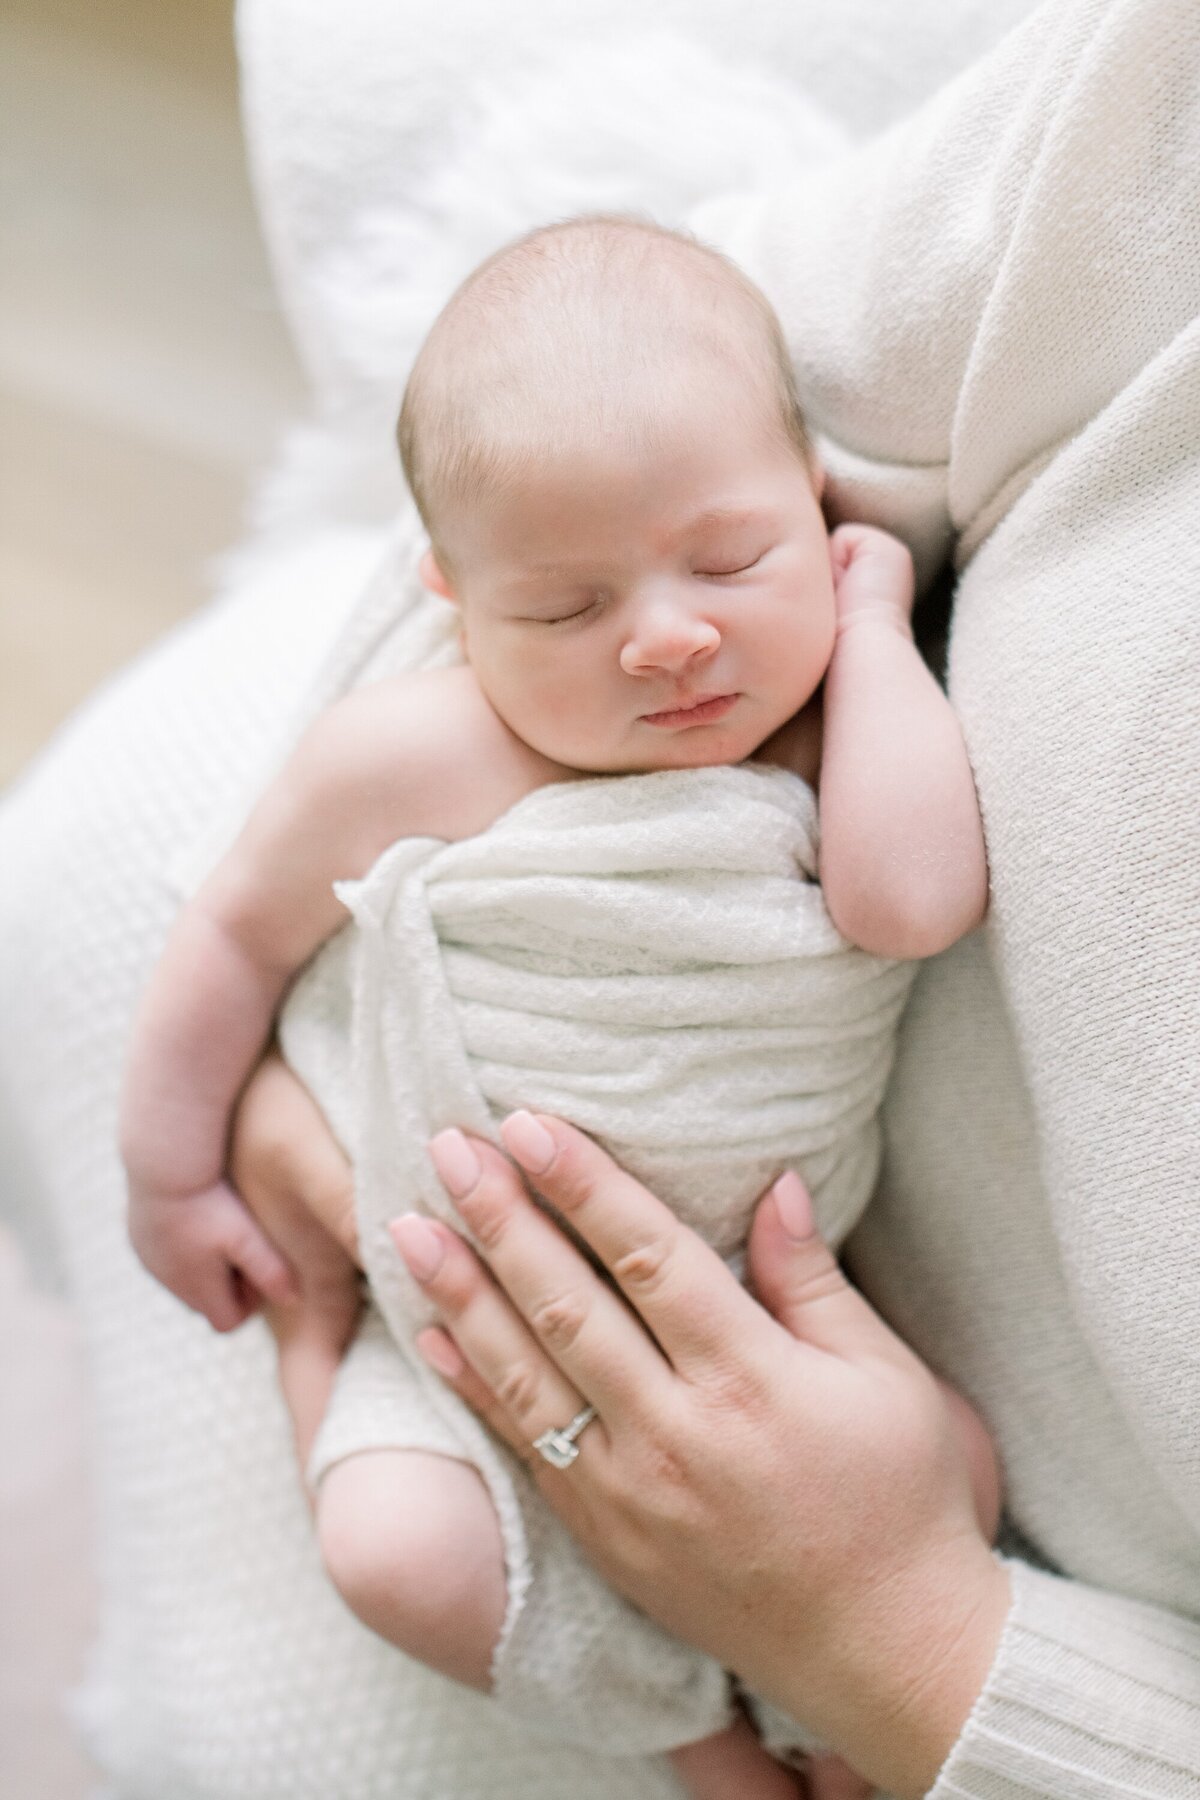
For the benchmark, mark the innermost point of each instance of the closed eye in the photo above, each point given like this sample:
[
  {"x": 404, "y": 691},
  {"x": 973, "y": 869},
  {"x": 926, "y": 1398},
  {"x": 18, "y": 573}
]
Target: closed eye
[
  {"x": 580, "y": 612},
  {"x": 721, "y": 574}
]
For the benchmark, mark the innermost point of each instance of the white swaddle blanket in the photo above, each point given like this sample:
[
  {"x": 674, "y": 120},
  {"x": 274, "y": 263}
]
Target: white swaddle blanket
[{"x": 650, "y": 957}]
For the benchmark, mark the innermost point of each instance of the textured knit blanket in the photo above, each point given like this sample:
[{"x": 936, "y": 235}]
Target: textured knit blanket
[{"x": 649, "y": 957}]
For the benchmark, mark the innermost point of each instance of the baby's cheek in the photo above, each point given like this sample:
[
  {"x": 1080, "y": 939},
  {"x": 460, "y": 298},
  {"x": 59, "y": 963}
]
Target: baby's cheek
[
  {"x": 548, "y": 704},
  {"x": 554, "y": 708},
  {"x": 802, "y": 654}
]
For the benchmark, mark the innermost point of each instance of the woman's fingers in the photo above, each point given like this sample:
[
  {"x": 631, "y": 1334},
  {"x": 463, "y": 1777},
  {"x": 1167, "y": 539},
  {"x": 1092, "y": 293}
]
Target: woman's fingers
[
  {"x": 445, "y": 1358},
  {"x": 583, "y": 1326},
  {"x": 532, "y": 1393},
  {"x": 496, "y": 1342},
  {"x": 796, "y": 1276},
  {"x": 679, "y": 1286}
]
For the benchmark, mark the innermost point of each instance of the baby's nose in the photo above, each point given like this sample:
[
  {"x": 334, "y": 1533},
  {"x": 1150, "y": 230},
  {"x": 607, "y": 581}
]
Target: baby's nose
[{"x": 668, "y": 638}]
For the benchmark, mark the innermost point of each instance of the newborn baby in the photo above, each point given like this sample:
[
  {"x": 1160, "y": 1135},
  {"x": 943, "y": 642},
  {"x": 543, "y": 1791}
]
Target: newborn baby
[{"x": 603, "y": 440}]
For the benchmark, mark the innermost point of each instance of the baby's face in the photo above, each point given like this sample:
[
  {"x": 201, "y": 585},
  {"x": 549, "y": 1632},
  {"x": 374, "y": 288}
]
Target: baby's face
[{"x": 651, "y": 609}]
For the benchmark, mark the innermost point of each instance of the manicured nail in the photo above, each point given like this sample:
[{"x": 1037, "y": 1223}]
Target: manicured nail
[
  {"x": 528, "y": 1141},
  {"x": 455, "y": 1162},
  {"x": 420, "y": 1244},
  {"x": 794, "y": 1206},
  {"x": 441, "y": 1354}
]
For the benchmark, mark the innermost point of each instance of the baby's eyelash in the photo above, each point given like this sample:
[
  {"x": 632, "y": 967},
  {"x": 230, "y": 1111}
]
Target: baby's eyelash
[
  {"x": 742, "y": 569},
  {"x": 566, "y": 618},
  {"x": 596, "y": 603}
]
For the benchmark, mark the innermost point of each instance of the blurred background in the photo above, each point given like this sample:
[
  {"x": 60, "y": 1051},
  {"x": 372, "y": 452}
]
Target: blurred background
[{"x": 144, "y": 377}]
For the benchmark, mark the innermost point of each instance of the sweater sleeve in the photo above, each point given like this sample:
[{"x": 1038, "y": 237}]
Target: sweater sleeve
[{"x": 1090, "y": 1697}]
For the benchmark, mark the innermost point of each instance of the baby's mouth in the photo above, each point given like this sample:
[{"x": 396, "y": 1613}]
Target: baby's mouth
[{"x": 702, "y": 711}]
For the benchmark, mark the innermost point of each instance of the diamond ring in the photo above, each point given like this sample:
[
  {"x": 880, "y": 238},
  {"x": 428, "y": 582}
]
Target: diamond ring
[{"x": 558, "y": 1446}]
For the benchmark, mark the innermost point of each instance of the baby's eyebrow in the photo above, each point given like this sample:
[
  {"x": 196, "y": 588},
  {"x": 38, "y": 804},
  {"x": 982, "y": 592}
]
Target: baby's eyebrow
[
  {"x": 724, "y": 515},
  {"x": 559, "y": 570},
  {"x": 712, "y": 517}
]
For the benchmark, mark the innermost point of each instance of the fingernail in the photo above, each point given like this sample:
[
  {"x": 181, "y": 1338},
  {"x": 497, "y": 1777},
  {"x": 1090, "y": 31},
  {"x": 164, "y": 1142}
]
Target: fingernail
[
  {"x": 419, "y": 1244},
  {"x": 440, "y": 1354},
  {"x": 528, "y": 1141},
  {"x": 455, "y": 1162},
  {"x": 794, "y": 1206}
]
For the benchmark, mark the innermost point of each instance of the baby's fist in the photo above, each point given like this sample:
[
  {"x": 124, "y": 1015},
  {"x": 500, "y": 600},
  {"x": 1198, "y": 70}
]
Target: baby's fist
[
  {"x": 872, "y": 577},
  {"x": 208, "y": 1249}
]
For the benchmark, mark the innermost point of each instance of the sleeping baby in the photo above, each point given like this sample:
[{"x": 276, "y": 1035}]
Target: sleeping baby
[{"x": 580, "y": 872}]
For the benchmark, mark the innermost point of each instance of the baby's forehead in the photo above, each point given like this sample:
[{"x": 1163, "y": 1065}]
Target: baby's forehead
[{"x": 592, "y": 523}]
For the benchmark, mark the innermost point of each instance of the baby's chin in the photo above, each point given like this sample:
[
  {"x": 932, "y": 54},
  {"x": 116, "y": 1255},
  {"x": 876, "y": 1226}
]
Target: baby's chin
[{"x": 698, "y": 747}]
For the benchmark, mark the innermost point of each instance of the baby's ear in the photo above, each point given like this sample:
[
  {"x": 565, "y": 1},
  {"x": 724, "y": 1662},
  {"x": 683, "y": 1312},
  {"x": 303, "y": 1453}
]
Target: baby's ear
[{"x": 429, "y": 571}]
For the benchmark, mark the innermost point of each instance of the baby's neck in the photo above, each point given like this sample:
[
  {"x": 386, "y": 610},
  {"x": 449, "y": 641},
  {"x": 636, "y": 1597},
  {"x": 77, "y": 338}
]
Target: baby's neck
[{"x": 797, "y": 744}]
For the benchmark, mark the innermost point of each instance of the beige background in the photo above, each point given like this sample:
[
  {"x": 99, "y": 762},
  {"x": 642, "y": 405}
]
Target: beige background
[{"x": 144, "y": 374}]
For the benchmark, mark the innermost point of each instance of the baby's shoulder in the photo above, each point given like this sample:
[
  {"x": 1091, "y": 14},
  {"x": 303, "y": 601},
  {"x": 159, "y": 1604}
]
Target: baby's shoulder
[
  {"x": 410, "y": 720},
  {"x": 428, "y": 749},
  {"x": 404, "y": 703}
]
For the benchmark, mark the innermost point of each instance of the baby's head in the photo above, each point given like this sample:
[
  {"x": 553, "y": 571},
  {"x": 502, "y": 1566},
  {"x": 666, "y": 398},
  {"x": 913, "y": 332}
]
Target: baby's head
[{"x": 602, "y": 435}]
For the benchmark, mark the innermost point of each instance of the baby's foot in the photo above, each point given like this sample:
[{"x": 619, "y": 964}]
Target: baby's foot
[{"x": 829, "y": 1778}]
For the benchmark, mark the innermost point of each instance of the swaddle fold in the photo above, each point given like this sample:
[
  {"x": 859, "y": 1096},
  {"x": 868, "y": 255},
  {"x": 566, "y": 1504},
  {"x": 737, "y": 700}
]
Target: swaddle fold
[{"x": 650, "y": 957}]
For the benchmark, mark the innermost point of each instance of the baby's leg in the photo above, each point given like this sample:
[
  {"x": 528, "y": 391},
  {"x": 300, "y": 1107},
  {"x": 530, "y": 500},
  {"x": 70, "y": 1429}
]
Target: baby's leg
[
  {"x": 412, "y": 1543},
  {"x": 310, "y": 1340},
  {"x": 409, "y": 1539},
  {"x": 733, "y": 1765}
]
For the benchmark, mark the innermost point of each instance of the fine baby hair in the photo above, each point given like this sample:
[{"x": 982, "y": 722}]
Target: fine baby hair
[{"x": 596, "y": 327}]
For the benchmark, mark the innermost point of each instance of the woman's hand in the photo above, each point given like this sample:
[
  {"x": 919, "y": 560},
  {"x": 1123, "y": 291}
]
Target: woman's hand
[
  {"x": 295, "y": 1180},
  {"x": 789, "y": 1493},
  {"x": 282, "y": 1148}
]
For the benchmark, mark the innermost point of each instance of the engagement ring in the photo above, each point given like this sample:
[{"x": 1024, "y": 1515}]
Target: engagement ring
[{"x": 557, "y": 1446}]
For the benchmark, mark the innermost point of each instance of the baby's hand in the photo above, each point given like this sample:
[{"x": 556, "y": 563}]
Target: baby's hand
[
  {"x": 209, "y": 1251},
  {"x": 872, "y": 577}
]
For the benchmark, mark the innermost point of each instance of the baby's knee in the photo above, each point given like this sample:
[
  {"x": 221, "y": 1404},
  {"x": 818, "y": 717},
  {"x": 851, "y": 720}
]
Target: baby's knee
[
  {"x": 386, "y": 1538},
  {"x": 412, "y": 1544}
]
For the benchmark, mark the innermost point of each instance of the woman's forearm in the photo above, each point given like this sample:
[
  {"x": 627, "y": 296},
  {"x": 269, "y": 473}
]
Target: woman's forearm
[{"x": 1090, "y": 1694}]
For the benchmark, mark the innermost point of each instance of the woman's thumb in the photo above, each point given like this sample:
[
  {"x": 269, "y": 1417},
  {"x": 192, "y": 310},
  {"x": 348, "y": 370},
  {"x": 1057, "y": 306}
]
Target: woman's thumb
[{"x": 796, "y": 1276}]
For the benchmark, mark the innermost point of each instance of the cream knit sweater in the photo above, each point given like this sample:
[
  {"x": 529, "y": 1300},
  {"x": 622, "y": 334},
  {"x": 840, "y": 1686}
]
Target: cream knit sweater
[
  {"x": 994, "y": 311},
  {"x": 1005, "y": 293}
]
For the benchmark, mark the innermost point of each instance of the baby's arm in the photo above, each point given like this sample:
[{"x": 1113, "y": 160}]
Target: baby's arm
[
  {"x": 420, "y": 755},
  {"x": 903, "y": 864}
]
